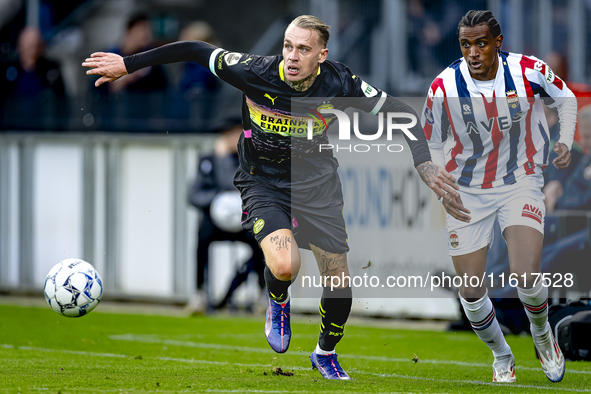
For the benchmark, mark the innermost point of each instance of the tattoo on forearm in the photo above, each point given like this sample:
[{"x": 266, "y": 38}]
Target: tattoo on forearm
[
  {"x": 281, "y": 242},
  {"x": 428, "y": 172}
]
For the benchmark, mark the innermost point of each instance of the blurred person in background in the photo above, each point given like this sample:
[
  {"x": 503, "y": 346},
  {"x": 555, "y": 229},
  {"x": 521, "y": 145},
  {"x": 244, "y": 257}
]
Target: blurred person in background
[
  {"x": 31, "y": 87},
  {"x": 582, "y": 91},
  {"x": 214, "y": 186},
  {"x": 197, "y": 90},
  {"x": 197, "y": 82},
  {"x": 574, "y": 191},
  {"x": 489, "y": 102},
  {"x": 137, "y": 38},
  {"x": 132, "y": 103}
]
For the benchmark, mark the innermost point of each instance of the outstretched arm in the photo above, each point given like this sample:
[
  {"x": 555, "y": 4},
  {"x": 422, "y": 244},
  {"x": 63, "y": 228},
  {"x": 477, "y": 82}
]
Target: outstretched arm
[
  {"x": 111, "y": 66},
  {"x": 431, "y": 171}
]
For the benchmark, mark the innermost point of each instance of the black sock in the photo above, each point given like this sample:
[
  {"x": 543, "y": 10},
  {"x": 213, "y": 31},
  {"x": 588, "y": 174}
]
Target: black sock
[
  {"x": 335, "y": 307},
  {"x": 277, "y": 288}
]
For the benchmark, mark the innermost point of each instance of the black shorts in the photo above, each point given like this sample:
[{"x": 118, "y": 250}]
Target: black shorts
[{"x": 314, "y": 215}]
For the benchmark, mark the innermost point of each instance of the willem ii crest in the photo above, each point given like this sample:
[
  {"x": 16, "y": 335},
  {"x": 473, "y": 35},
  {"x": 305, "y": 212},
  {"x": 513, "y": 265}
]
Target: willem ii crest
[{"x": 512, "y": 98}]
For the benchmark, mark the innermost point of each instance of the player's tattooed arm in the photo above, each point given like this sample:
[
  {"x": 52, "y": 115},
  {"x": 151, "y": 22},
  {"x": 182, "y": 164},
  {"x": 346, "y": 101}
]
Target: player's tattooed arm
[
  {"x": 438, "y": 180},
  {"x": 444, "y": 185},
  {"x": 281, "y": 242},
  {"x": 304, "y": 84}
]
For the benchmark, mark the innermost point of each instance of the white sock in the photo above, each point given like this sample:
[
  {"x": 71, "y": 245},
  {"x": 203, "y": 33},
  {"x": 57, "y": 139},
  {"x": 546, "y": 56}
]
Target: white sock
[
  {"x": 323, "y": 352},
  {"x": 481, "y": 314},
  {"x": 535, "y": 302}
]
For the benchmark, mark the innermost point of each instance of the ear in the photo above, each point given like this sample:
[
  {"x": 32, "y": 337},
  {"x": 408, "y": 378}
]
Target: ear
[
  {"x": 499, "y": 41},
  {"x": 322, "y": 55}
]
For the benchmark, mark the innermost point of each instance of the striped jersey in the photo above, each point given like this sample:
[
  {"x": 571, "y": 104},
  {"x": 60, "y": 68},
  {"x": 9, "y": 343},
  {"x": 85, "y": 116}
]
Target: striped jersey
[{"x": 498, "y": 139}]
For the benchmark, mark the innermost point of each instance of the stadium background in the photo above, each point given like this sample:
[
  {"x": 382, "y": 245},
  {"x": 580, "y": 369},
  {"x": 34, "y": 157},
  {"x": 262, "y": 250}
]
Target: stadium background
[{"x": 105, "y": 178}]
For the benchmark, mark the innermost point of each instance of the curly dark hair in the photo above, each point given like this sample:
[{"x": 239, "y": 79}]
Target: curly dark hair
[{"x": 475, "y": 18}]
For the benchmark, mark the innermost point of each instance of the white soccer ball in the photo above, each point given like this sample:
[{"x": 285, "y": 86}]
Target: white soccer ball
[
  {"x": 73, "y": 288},
  {"x": 226, "y": 211}
]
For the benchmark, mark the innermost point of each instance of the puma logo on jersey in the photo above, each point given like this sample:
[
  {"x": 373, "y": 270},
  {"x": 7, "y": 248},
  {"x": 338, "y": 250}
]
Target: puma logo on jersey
[
  {"x": 529, "y": 211},
  {"x": 246, "y": 61},
  {"x": 270, "y": 98}
]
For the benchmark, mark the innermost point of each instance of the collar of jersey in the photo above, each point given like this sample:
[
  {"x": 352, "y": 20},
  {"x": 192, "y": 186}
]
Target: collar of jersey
[
  {"x": 282, "y": 76},
  {"x": 499, "y": 77}
]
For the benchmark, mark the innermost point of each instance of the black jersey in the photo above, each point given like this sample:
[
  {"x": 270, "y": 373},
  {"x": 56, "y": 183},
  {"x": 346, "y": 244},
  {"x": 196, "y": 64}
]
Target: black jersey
[{"x": 274, "y": 145}]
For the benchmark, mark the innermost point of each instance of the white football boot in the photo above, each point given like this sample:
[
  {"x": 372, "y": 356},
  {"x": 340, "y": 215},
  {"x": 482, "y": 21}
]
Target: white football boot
[
  {"x": 504, "y": 369},
  {"x": 550, "y": 356}
]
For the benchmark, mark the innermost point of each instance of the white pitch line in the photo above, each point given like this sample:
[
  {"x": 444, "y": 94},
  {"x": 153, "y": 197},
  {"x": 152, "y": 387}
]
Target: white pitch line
[
  {"x": 185, "y": 360},
  {"x": 474, "y": 382},
  {"x": 511, "y": 385},
  {"x": 119, "y": 390},
  {"x": 172, "y": 342}
]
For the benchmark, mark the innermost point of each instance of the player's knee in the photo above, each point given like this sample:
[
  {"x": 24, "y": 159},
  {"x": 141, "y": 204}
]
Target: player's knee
[
  {"x": 473, "y": 294},
  {"x": 285, "y": 267},
  {"x": 525, "y": 278}
]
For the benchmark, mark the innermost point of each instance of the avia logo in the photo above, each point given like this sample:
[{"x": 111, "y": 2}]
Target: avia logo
[
  {"x": 270, "y": 98},
  {"x": 529, "y": 211},
  {"x": 345, "y": 124},
  {"x": 504, "y": 123}
]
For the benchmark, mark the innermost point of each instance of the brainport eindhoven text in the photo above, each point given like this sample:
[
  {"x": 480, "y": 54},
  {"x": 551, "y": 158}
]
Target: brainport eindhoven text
[{"x": 345, "y": 132}]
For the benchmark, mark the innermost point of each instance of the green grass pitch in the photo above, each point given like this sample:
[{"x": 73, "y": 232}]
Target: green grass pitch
[{"x": 43, "y": 352}]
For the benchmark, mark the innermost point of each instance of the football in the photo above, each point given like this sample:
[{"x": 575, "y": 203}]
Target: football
[{"x": 73, "y": 288}]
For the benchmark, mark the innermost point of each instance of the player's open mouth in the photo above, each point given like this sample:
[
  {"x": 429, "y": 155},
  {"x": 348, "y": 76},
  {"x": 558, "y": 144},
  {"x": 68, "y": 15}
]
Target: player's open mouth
[
  {"x": 476, "y": 65},
  {"x": 293, "y": 70}
]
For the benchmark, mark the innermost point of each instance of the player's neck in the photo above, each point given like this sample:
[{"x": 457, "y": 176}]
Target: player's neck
[
  {"x": 490, "y": 75},
  {"x": 304, "y": 84}
]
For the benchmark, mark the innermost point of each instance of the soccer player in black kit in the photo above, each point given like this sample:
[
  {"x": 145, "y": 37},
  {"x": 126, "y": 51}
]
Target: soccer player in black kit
[{"x": 290, "y": 189}]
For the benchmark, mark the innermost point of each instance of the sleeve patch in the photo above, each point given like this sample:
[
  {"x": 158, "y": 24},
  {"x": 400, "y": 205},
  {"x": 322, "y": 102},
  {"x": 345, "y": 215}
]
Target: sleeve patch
[
  {"x": 232, "y": 58},
  {"x": 549, "y": 75},
  {"x": 368, "y": 90}
]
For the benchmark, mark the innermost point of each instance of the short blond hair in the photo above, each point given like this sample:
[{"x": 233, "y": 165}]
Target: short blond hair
[{"x": 313, "y": 23}]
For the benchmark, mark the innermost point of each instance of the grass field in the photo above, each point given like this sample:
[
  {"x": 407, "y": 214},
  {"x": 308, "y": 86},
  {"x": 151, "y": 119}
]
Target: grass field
[{"x": 41, "y": 351}]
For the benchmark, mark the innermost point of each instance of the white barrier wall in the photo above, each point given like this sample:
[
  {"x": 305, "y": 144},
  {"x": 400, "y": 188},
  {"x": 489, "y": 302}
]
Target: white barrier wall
[
  {"x": 57, "y": 206},
  {"x": 120, "y": 203},
  {"x": 146, "y": 227}
]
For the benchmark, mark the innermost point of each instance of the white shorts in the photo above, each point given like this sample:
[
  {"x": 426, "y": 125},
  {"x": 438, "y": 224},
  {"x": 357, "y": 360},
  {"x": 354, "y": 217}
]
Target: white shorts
[{"x": 519, "y": 204}]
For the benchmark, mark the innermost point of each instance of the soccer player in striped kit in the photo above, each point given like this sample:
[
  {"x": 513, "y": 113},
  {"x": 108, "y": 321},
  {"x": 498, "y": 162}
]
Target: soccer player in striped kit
[{"x": 490, "y": 103}]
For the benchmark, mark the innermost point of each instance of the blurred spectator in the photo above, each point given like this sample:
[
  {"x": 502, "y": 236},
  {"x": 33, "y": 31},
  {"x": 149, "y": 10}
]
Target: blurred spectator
[
  {"x": 197, "y": 89},
  {"x": 133, "y": 101},
  {"x": 215, "y": 176},
  {"x": 138, "y": 38},
  {"x": 557, "y": 62},
  {"x": 31, "y": 87},
  {"x": 432, "y": 38},
  {"x": 197, "y": 81},
  {"x": 574, "y": 192}
]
